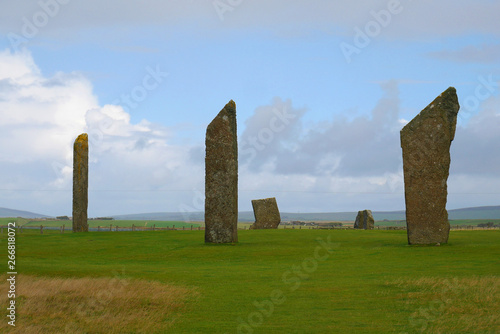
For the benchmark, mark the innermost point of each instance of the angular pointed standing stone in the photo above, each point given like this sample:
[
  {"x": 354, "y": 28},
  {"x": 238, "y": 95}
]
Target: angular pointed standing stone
[
  {"x": 364, "y": 220},
  {"x": 266, "y": 214},
  {"x": 426, "y": 142},
  {"x": 221, "y": 178},
  {"x": 80, "y": 183}
]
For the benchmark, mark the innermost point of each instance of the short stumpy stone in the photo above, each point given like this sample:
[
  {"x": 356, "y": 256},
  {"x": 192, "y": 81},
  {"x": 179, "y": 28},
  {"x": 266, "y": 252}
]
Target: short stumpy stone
[
  {"x": 80, "y": 183},
  {"x": 364, "y": 220},
  {"x": 221, "y": 178},
  {"x": 266, "y": 214},
  {"x": 426, "y": 142}
]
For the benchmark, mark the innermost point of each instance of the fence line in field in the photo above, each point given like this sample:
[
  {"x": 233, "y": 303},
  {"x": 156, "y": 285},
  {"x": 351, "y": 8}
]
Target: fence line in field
[
  {"x": 110, "y": 228},
  {"x": 133, "y": 228}
]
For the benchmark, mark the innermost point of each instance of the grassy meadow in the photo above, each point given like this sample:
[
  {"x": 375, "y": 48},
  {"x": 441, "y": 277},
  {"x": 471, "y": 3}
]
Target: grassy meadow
[
  {"x": 272, "y": 281},
  {"x": 473, "y": 222}
]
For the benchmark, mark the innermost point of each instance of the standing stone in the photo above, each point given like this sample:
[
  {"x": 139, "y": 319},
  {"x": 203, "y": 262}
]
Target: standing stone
[
  {"x": 426, "y": 142},
  {"x": 80, "y": 183},
  {"x": 364, "y": 220},
  {"x": 266, "y": 214},
  {"x": 221, "y": 178}
]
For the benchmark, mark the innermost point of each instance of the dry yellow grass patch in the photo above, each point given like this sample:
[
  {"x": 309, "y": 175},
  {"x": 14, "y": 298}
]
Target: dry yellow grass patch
[
  {"x": 93, "y": 305},
  {"x": 457, "y": 305}
]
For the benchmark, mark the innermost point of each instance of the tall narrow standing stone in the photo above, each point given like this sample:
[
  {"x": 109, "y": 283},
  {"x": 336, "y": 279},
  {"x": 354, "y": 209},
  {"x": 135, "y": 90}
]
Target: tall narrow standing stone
[
  {"x": 266, "y": 214},
  {"x": 80, "y": 183},
  {"x": 364, "y": 220},
  {"x": 221, "y": 178},
  {"x": 426, "y": 142}
]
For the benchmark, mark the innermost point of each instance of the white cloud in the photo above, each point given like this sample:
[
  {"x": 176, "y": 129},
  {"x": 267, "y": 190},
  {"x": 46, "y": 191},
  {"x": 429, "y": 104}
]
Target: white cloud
[
  {"x": 40, "y": 118},
  {"x": 39, "y": 115},
  {"x": 361, "y": 146},
  {"x": 271, "y": 131},
  {"x": 17, "y": 69}
]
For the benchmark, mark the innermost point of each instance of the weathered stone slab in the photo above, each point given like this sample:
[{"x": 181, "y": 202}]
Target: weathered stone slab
[
  {"x": 221, "y": 178},
  {"x": 364, "y": 220},
  {"x": 426, "y": 142},
  {"x": 266, "y": 214},
  {"x": 80, "y": 183}
]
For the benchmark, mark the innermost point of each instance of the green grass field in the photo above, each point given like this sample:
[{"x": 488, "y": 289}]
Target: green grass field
[
  {"x": 473, "y": 222},
  {"x": 272, "y": 281}
]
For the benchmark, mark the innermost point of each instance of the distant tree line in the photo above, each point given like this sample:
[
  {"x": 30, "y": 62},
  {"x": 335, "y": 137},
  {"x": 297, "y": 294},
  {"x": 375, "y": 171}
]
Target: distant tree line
[{"x": 488, "y": 224}]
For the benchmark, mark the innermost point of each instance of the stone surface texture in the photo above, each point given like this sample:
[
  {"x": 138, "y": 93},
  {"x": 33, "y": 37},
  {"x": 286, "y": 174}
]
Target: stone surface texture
[
  {"x": 364, "y": 220},
  {"x": 266, "y": 214},
  {"x": 426, "y": 142},
  {"x": 221, "y": 178},
  {"x": 80, "y": 183}
]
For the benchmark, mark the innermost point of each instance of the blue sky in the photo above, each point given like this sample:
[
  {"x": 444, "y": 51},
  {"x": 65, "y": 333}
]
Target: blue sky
[{"x": 70, "y": 67}]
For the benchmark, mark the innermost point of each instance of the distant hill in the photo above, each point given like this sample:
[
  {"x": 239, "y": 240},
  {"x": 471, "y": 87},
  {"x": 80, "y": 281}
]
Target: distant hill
[
  {"x": 480, "y": 212},
  {"x": 483, "y": 212},
  {"x": 5, "y": 213}
]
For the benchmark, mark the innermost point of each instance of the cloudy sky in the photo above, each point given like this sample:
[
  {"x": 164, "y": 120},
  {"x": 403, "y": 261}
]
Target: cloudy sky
[{"x": 322, "y": 90}]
